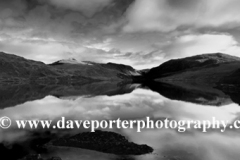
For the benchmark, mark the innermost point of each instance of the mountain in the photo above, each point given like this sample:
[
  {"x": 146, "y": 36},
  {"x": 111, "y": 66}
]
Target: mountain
[
  {"x": 124, "y": 69},
  {"x": 19, "y": 71},
  {"x": 232, "y": 79},
  {"x": 208, "y": 69},
  {"x": 63, "y": 61},
  {"x": 208, "y": 79},
  {"x": 97, "y": 71}
]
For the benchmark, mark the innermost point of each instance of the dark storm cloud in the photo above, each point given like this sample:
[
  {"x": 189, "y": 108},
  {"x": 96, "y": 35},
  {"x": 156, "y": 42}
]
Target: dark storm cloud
[
  {"x": 76, "y": 19},
  {"x": 88, "y": 8}
]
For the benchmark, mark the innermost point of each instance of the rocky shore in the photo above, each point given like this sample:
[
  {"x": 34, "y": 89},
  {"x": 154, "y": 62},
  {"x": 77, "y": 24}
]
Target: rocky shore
[{"x": 103, "y": 141}]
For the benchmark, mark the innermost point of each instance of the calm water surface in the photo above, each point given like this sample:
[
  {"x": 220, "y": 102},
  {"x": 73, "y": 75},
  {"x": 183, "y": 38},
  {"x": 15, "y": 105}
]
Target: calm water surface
[{"x": 136, "y": 104}]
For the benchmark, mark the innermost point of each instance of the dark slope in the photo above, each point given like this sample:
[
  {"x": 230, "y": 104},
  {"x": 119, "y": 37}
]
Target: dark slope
[
  {"x": 15, "y": 69},
  {"x": 232, "y": 79},
  {"x": 124, "y": 69},
  {"x": 207, "y": 69},
  {"x": 195, "y": 63},
  {"x": 18, "y": 70},
  {"x": 97, "y": 71}
]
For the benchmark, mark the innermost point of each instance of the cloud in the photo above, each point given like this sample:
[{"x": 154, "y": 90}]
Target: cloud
[
  {"x": 88, "y": 7},
  {"x": 45, "y": 50},
  {"x": 73, "y": 20},
  {"x": 34, "y": 29},
  {"x": 37, "y": 29},
  {"x": 168, "y": 15},
  {"x": 193, "y": 44}
]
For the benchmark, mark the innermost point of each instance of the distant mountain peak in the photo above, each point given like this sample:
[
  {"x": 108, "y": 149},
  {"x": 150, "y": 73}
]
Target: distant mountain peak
[
  {"x": 69, "y": 61},
  {"x": 216, "y": 57}
]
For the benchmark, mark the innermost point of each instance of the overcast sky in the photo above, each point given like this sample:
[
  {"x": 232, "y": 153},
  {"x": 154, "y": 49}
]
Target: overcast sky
[{"x": 141, "y": 33}]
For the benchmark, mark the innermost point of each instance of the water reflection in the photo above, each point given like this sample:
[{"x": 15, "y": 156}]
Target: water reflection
[
  {"x": 100, "y": 101},
  {"x": 14, "y": 95},
  {"x": 191, "y": 92}
]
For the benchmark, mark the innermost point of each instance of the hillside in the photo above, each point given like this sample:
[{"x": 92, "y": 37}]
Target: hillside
[
  {"x": 180, "y": 65},
  {"x": 15, "y": 70},
  {"x": 232, "y": 79},
  {"x": 206, "y": 69},
  {"x": 96, "y": 71}
]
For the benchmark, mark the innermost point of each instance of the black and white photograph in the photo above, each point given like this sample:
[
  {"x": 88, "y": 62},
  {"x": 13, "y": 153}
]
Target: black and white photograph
[{"x": 120, "y": 79}]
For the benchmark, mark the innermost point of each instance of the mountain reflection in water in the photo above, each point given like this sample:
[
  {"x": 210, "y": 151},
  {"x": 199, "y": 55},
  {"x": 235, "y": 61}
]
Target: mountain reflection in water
[{"x": 102, "y": 100}]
